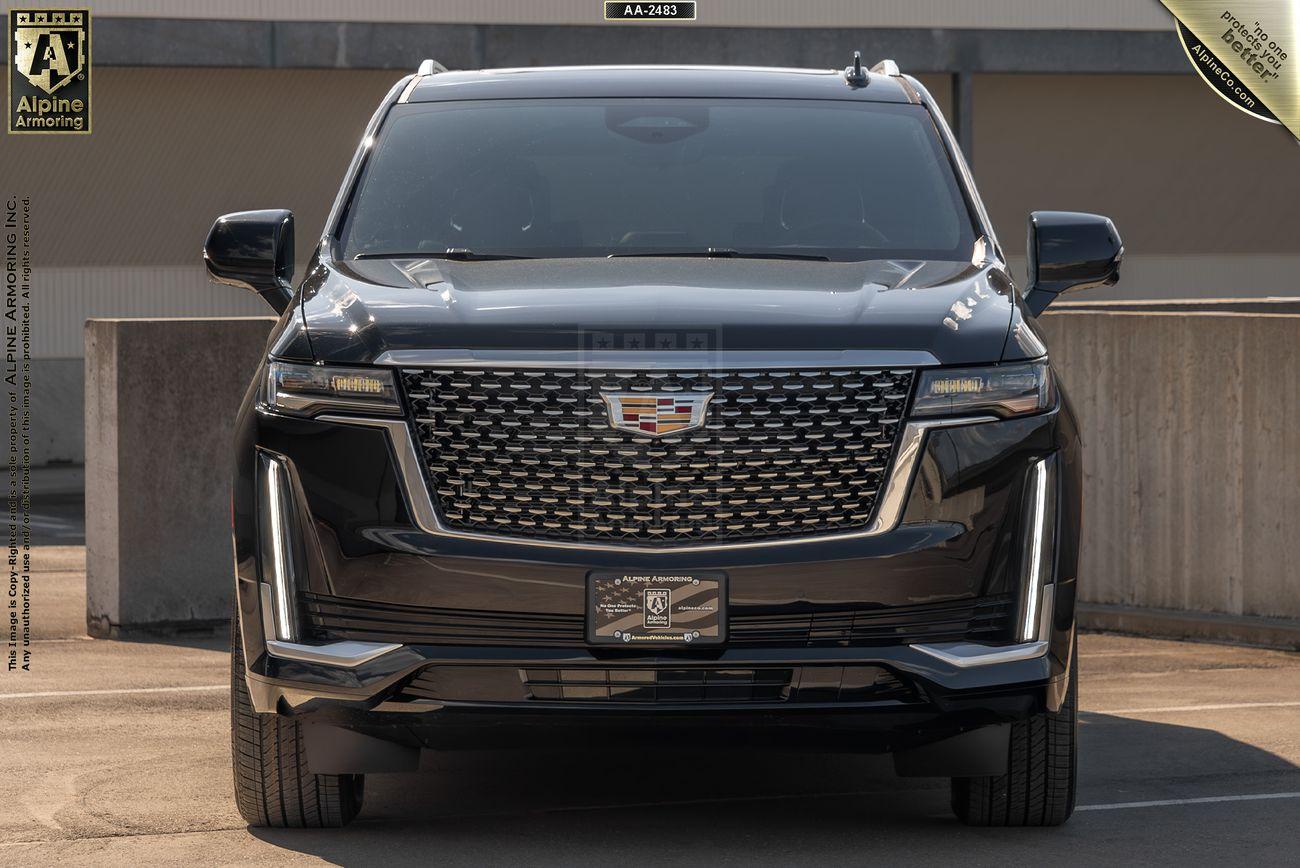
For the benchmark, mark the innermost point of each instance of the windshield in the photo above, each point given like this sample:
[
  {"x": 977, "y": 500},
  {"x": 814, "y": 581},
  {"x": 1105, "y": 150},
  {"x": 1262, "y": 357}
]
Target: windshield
[{"x": 571, "y": 178}]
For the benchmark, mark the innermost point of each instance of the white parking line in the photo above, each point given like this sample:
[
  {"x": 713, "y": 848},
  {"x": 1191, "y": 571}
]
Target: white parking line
[
  {"x": 1094, "y": 654},
  {"x": 1119, "y": 806},
  {"x": 121, "y": 691},
  {"x": 1223, "y": 706}
]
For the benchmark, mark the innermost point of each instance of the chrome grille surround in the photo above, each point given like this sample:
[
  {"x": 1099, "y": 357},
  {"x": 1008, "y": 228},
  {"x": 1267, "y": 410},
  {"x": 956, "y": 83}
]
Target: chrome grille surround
[{"x": 529, "y": 453}]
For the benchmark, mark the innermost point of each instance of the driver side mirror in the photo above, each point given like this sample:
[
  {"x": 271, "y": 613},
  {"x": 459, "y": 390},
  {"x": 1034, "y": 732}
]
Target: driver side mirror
[
  {"x": 253, "y": 250},
  {"x": 1069, "y": 250}
]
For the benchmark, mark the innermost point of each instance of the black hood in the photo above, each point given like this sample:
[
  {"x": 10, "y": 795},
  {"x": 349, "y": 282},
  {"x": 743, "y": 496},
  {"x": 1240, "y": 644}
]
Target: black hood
[{"x": 355, "y": 311}]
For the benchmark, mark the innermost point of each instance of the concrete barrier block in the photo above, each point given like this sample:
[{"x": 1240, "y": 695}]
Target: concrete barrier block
[
  {"x": 161, "y": 399},
  {"x": 1191, "y": 457}
]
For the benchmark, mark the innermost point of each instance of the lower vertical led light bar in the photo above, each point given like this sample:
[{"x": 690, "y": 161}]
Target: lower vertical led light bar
[
  {"x": 1037, "y": 599},
  {"x": 1039, "y": 549},
  {"x": 278, "y": 548},
  {"x": 283, "y": 563}
]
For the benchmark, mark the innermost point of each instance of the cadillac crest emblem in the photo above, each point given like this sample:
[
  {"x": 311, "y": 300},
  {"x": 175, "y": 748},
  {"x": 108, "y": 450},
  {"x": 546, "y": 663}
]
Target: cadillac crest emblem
[{"x": 656, "y": 414}]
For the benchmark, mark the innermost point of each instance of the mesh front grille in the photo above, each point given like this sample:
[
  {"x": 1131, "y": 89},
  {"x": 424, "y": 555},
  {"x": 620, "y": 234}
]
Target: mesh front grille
[
  {"x": 981, "y": 619},
  {"x": 659, "y": 685},
  {"x": 780, "y": 453}
]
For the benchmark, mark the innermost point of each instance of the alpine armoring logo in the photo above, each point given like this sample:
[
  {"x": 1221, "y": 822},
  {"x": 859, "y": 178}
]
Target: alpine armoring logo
[
  {"x": 49, "y": 71},
  {"x": 655, "y": 608}
]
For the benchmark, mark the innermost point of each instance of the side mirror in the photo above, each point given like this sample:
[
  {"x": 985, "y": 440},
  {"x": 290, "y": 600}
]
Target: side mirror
[
  {"x": 1069, "y": 250},
  {"x": 253, "y": 250}
]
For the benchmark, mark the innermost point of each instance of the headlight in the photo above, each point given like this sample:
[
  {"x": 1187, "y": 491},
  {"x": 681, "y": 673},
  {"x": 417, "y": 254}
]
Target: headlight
[
  {"x": 1003, "y": 390},
  {"x": 306, "y": 390}
]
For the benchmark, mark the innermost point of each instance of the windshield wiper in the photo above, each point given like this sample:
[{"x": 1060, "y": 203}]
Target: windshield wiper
[
  {"x": 728, "y": 253},
  {"x": 460, "y": 254}
]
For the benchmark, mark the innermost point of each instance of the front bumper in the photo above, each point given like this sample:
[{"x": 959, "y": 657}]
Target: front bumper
[
  {"x": 941, "y": 687},
  {"x": 934, "y": 718},
  {"x": 303, "y": 678},
  {"x": 358, "y": 538}
]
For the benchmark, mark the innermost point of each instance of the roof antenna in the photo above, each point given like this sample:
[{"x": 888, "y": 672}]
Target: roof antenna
[{"x": 855, "y": 75}]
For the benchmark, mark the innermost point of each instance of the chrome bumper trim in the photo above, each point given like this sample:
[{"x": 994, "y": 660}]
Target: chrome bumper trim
[
  {"x": 889, "y": 506},
  {"x": 348, "y": 655},
  {"x": 965, "y": 655}
]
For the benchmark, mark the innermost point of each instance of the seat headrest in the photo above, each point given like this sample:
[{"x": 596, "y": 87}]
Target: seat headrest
[
  {"x": 810, "y": 201},
  {"x": 487, "y": 208}
]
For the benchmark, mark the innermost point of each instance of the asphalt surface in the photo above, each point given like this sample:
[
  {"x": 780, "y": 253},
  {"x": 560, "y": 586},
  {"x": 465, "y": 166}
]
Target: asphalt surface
[{"x": 118, "y": 752}]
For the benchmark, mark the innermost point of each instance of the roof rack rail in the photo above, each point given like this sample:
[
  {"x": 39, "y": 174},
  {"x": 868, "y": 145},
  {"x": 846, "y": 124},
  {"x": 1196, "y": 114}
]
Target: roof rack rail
[
  {"x": 429, "y": 66},
  {"x": 886, "y": 67}
]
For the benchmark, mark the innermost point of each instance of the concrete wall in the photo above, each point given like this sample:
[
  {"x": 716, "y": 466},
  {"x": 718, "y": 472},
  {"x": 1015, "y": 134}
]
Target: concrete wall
[
  {"x": 1191, "y": 430},
  {"x": 161, "y": 398}
]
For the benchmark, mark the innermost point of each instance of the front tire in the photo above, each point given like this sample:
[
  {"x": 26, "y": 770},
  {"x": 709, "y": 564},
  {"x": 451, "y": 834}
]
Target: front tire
[
  {"x": 273, "y": 786},
  {"x": 1039, "y": 786}
]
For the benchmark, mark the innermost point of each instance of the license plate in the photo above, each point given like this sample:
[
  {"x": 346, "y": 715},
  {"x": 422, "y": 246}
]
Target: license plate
[{"x": 656, "y": 609}]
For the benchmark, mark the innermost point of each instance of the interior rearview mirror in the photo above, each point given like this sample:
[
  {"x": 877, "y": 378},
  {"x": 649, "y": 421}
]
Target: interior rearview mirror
[
  {"x": 1069, "y": 250},
  {"x": 253, "y": 250}
]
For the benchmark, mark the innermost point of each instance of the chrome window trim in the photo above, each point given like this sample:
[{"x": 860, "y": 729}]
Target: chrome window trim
[
  {"x": 889, "y": 507},
  {"x": 410, "y": 86},
  {"x": 658, "y": 360},
  {"x": 358, "y": 157},
  {"x": 964, "y": 176}
]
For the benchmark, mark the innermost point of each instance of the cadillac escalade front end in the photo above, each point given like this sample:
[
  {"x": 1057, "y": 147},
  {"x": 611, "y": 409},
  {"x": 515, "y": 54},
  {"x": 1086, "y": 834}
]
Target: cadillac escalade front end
[{"x": 621, "y": 402}]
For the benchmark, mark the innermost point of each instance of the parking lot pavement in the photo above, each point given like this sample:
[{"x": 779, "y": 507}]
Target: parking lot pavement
[{"x": 119, "y": 752}]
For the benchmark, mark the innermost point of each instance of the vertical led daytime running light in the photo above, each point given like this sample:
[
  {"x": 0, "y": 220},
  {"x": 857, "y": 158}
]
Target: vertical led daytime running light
[
  {"x": 278, "y": 507},
  {"x": 1038, "y": 553}
]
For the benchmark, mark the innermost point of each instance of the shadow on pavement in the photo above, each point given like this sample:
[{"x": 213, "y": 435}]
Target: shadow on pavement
[
  {"x": 658, "y": 803},
  {"x": 208, "y": 639},
  {"x": 58, "y": 520}
]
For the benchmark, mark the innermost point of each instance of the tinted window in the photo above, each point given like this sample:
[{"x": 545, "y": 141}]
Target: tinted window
[{"x": 557, "y": 178}]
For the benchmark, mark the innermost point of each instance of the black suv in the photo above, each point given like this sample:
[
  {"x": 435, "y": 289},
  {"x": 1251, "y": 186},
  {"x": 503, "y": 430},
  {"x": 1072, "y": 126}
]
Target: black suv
[{"x": 627, "y": 402}]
